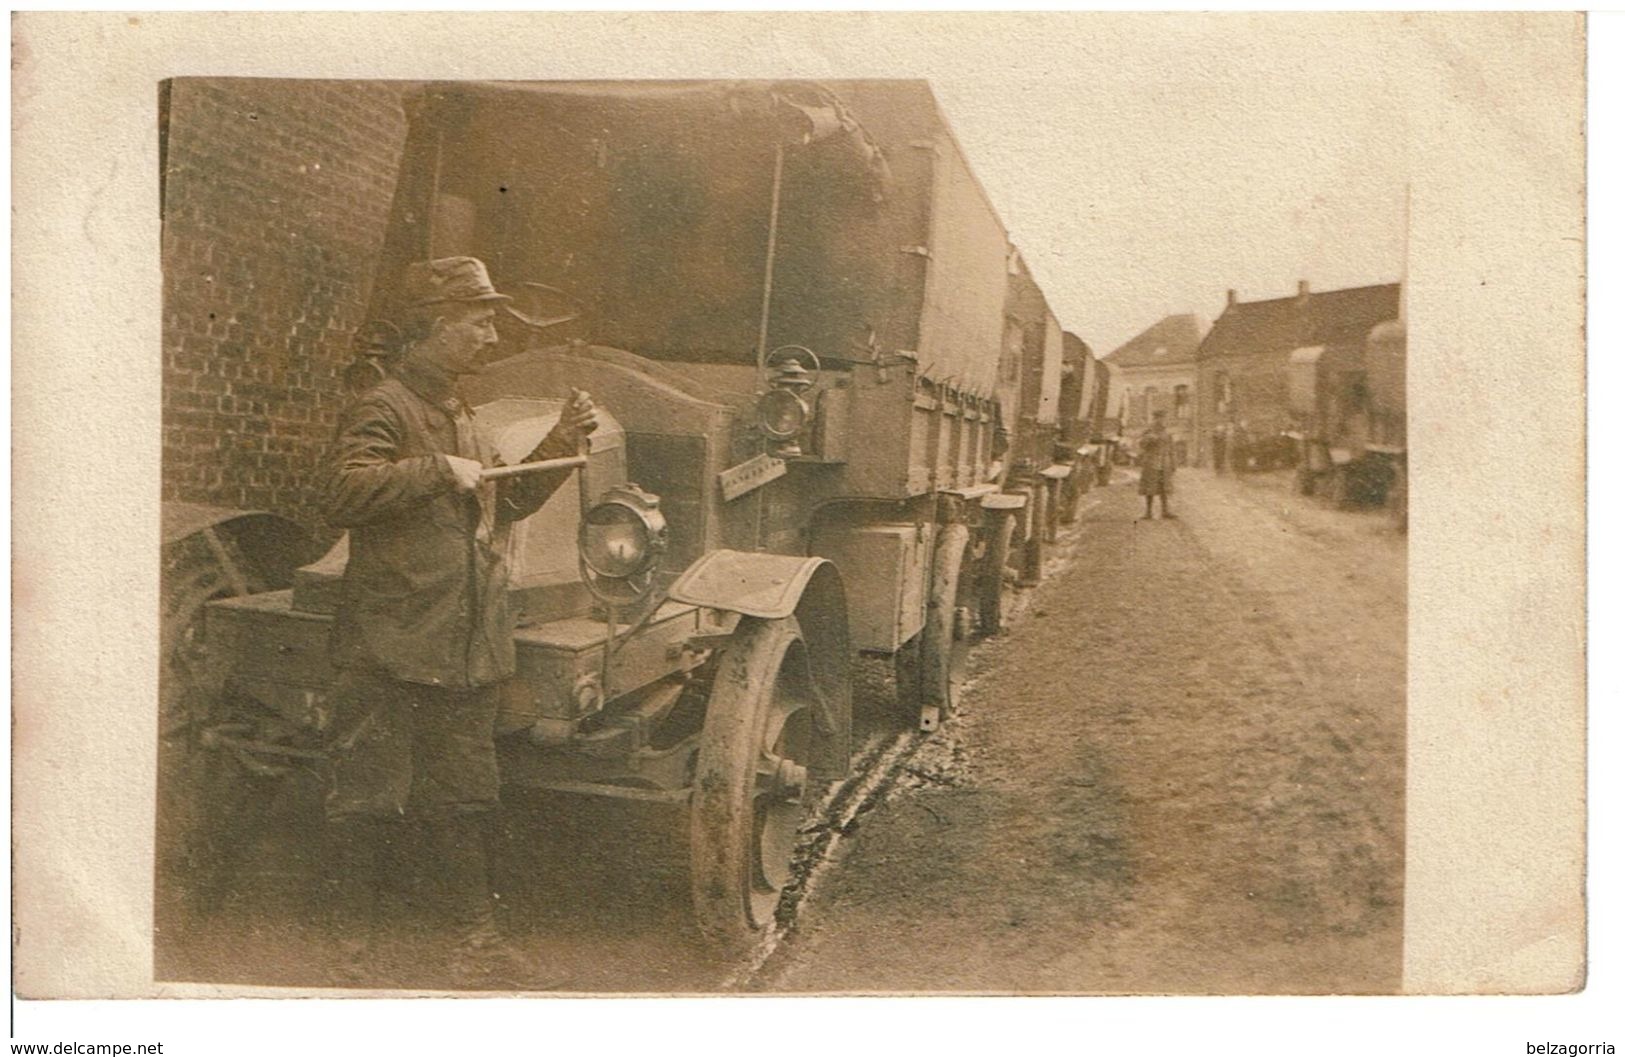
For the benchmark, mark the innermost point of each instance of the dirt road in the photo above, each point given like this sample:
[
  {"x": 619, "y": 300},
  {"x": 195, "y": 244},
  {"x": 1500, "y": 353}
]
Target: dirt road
[{"x": 1183, "y": 772}]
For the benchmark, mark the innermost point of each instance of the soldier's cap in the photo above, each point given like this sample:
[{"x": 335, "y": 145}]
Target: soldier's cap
[{"x": 461, "y": 279}]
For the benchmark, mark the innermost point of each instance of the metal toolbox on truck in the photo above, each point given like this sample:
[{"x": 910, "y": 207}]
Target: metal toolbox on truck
[
  {"x": 558, "y": 666},
  {"x": 883, "y": 567}
]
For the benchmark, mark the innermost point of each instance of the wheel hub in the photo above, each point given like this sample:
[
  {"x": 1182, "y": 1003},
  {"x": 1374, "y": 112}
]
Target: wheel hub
[{"x": 789, "y": 781}]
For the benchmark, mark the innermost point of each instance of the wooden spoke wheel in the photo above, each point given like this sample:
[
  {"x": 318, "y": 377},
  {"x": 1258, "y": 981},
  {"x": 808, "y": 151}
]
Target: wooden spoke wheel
[
  {"x": 206, "y": 802},
  {"x": 194, "y": 574},
  {"x": 764, "y": 728},
  {"x": 931, "y": 668},
  {"x": 197, "y": 570}
]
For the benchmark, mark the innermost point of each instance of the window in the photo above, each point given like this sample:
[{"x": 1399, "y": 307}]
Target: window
[{"x": 1182, "y": 401}]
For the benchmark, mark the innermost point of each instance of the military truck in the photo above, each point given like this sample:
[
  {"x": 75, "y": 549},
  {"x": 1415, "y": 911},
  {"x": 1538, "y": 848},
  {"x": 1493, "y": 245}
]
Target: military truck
[
  {"x": 1032, "y": 368},
  {"x": 790, "y": 301},
  {"x": 1347, "y": 402},
  {"x": 1081, "y": 443}
]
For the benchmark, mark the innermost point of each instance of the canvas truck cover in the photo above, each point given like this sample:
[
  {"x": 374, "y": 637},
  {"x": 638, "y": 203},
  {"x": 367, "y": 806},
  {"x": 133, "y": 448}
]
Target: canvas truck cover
[
  {"x": 1035, "y": 335},
  {"x": 962, "y": 320},
  {"x": 1093, "y": 398},
  {"x": 1385, "y": 368},
  {"x": 648, "y": 204},
  {"x": 1303, "y": 391},
  {"x": 1080, "y": 380},
  {"x": 1049, "y": 392}
]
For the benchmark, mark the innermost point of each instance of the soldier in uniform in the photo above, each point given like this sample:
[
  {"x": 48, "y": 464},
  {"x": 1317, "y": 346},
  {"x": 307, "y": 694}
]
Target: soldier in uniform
[
  {"x": 423, "y": 633},
  {"x": 1220, "y": 438},
  {"x": 1157, "y": 464}
]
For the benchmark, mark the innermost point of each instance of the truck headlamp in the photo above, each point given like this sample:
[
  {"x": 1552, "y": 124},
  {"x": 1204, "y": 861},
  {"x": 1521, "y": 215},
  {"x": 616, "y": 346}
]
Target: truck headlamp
[{"x": 621, "y": 541}]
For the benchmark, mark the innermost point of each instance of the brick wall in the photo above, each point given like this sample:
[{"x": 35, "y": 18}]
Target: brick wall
[{"x": 276, "y": 194}]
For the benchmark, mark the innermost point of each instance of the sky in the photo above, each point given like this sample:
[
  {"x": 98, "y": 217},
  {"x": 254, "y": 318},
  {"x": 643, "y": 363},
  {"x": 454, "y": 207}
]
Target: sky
[{"x": 1145, "y": 165}]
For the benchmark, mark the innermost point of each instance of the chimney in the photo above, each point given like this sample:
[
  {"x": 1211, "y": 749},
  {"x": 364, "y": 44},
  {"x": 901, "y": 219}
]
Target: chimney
[
  {"x": 1303, "y": 289},
  {"x": 1230, "y": 299}
]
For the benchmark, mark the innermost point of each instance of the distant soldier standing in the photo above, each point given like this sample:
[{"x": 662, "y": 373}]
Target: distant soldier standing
[
  {"x": 1220, "y": 438},
  {"x": 1157, "y": 464},
  {"x": 423, "y": 633}
]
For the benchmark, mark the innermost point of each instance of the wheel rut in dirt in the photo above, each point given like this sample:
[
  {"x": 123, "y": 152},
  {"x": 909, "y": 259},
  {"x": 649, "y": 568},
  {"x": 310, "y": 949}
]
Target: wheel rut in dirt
[{"x": 1183, "y": 772}]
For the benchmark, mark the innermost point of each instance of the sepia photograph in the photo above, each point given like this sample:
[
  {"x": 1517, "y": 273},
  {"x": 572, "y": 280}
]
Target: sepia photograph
[
  {"x": 567, "y": 637},
  {"x": 810, "y": 532}
]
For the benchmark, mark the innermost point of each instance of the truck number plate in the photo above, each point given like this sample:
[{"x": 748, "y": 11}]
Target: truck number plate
[{"x": 749, "y": 475}]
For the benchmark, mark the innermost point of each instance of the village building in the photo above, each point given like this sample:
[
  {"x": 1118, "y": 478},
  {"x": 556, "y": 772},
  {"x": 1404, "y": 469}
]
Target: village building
[
  {"x": 1156, "y": 371},
  {"x": 1245, "y": 365}
]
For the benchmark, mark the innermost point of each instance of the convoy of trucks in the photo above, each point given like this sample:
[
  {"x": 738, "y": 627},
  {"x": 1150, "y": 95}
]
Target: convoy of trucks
[
  {"x": 838, "y": 418},
  {"x": 1347, "y": 402},
  {"x": 832, "y": 425}
]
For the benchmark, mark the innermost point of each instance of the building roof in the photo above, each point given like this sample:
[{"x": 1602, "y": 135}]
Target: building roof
[
  {"x": 1287, "y": 323},
  {"x": 1173, "y": 340}
]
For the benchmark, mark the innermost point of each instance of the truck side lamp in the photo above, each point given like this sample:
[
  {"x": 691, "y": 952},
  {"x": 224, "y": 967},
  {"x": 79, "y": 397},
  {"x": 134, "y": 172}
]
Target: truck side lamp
[{"x": 782, "y": 412}]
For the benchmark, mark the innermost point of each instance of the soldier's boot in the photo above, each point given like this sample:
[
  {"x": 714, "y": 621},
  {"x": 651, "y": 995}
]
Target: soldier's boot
[
  {"x": 351, "y": 856},
  {"x": 479, "y": 956}
]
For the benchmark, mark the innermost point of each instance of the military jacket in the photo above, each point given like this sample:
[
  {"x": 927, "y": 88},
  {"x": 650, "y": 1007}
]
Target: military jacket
[{"x": 424, "y": 596}]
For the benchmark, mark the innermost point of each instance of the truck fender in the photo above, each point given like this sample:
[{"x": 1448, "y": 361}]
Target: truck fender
[
  {"x": 768, "y": 586},
  {"x": 774, "y": 586},
  {"x": 273, "y": 545}
]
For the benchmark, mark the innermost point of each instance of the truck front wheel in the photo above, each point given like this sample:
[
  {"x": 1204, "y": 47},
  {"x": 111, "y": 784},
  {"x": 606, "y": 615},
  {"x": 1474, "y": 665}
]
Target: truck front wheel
[{"x": 751, "y": 784}]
